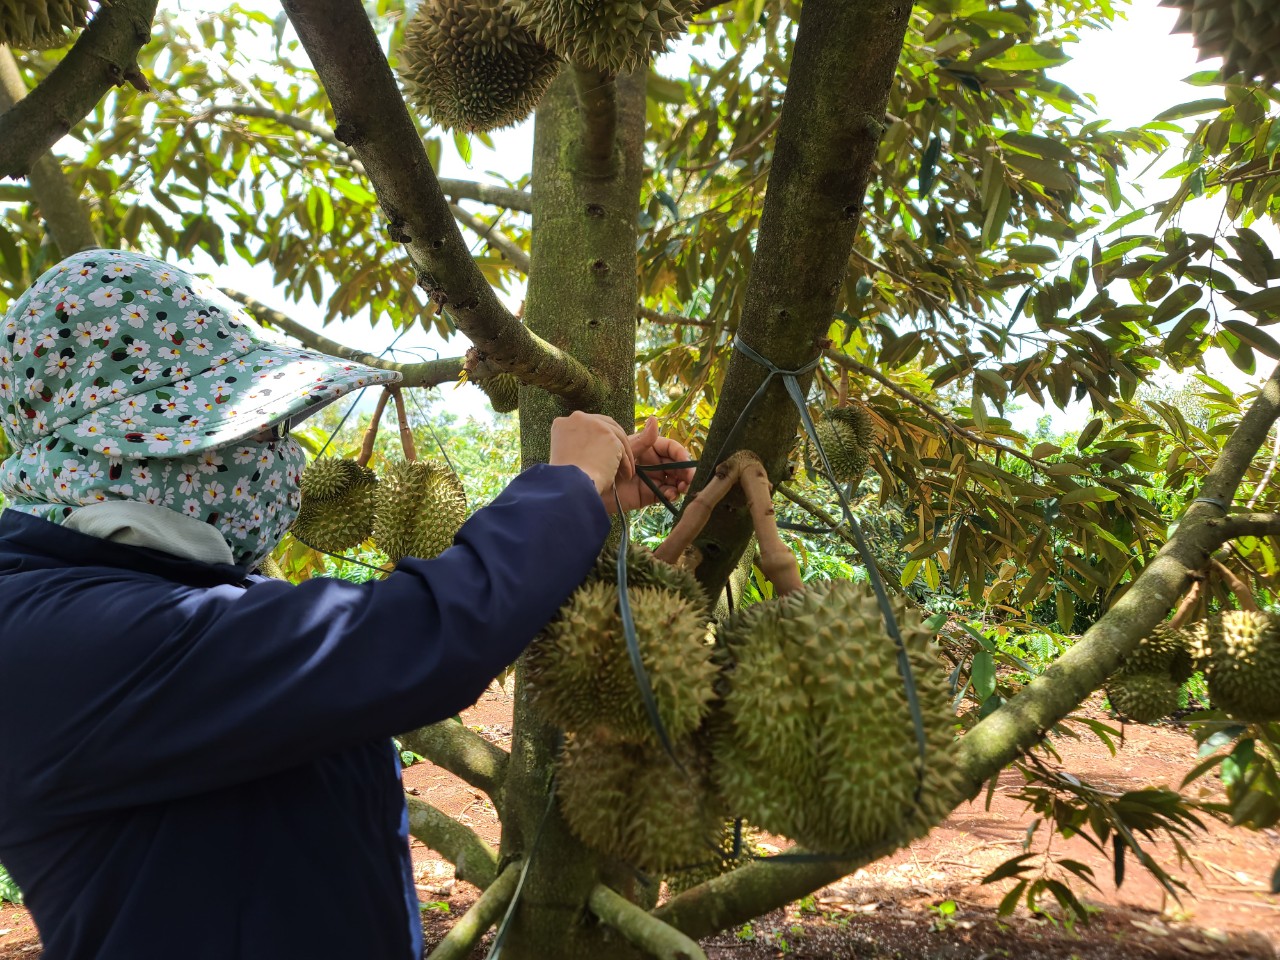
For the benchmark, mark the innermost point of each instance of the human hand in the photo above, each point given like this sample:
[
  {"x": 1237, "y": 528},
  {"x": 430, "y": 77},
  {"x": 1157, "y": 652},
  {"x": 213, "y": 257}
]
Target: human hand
[
  {"x": 596, "y": 445},
  {"x": 649, "y": 447}
]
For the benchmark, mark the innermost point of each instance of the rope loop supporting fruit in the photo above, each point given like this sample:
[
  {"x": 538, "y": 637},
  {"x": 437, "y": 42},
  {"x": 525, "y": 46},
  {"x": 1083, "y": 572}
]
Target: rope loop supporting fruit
[{"x": 791, "y": 380}]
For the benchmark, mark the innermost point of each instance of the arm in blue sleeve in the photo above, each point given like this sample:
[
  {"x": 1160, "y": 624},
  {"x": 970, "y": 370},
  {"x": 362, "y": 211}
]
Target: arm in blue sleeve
[{"x": 248, "y": 681}]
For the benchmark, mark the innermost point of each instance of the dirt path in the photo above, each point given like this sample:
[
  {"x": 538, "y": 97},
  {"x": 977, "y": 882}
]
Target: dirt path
[{"x": 894, "y": 909}]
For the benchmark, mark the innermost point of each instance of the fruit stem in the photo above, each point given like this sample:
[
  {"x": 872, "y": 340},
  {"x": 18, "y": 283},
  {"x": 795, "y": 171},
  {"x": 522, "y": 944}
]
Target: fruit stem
[
  {"x": 697, "y": 511},
  {"x": 777, "y": 562},
  {"x": 371, "y": 432},
  {"x": 1237, "y": 586},
  {"x": 406, "y": 434}
]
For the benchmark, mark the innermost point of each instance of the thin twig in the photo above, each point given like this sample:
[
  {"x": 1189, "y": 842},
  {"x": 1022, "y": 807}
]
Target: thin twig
[
  {"x": 1267, "y": 474},
  {"x": 490, "y": 234}
]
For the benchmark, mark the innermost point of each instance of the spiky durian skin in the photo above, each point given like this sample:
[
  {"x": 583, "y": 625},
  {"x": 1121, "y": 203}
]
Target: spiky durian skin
[
  {"x": 646, "y": 570},
  {"x": 1143, "y": 697},
  {"x": 270, "y": 568},
  {"x": 818, "y": 743},
  {"x": 339, "y": 498},
  {"x": 613, "y": 36},
  {"x": 631, "y": 802},
  {"x": 1165, "y": 652},
  {"x": 468, "y": 65},
  {"x": 503, "y": 391},
  {"x": 579, "y": 674},
  {"x": 420, "y": 506},
  {"x": 1245, "y": 33},
  {"x": 711, "y": 865},
  {"x": 32, "y": 24},
  {"x": 838, "y": 431},
  {"x": 1239, "y": 652},
  {"x": 327, "y": 478}
]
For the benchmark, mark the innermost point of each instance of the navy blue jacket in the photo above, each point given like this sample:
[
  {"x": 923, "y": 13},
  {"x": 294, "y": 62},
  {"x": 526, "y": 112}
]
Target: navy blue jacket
[{"x": 196, "y": 765}]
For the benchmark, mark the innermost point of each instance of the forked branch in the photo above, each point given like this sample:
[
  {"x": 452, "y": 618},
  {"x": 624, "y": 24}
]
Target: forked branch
[
  {"x": 374, "y": 122},
  {"x": 651, "y": 935},
  {"x": 474, "y": 860},
  {"x": 475, "y": 923}
]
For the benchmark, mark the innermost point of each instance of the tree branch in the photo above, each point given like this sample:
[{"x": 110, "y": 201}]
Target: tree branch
[
  {"x": 429, "y": 373},
  {"x": 827, "y": 138},
  {"x": 490, "y": 234},
  {"x": 462, "y": 752},
  {"x": 657, "y": 316},
  {"x": 58, "y": 202},
  {"x": 474, "y": 860},
  {"x": 104, "y": 56},
  {"x": 463, "y": 936},
  {"x": 598, "y": 98},
  {"x": 497, "y": 196},
  {"x": 1247, "y": 525},
  {"x": 374, "y": 123},
  {"x": 1009, "y": 732},
  {"x": 947, "y": 423},
  {"x": 640, "y": 928}
]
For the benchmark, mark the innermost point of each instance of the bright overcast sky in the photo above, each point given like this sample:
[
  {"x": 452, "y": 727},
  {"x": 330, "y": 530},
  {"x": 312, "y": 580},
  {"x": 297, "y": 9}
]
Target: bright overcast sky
[{"x": 1134, "y": 72}]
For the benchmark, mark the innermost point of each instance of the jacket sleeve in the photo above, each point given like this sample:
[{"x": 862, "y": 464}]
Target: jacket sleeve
[{"x": 250, "y": 681}]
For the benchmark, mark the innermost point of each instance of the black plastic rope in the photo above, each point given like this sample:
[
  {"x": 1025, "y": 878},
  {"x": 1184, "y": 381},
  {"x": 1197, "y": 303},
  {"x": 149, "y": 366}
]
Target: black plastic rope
[
  {"x": 495, "y": 952},
  {"x": 633, "y": 645},
  {"x": 790, "y": 379}
]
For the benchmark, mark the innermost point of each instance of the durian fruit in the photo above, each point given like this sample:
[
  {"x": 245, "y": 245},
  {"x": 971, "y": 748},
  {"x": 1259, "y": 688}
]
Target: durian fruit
[
  {"x": 719, "y": 862},
  {"x": 613, "y": 36},
  {"x": 468, "y": 65},
  {"x": 1165, "y": 652},
  {"x": 580, "y": 676},
  {"x": 1143, "y": 697},
  {"x": 818, "y": 742},
  {"x": 646, "y": 570},
  {"x": 338, "y": 501},
  {"x": 847, "y": 435},
  {"x": 421, "y": 504},
  {"x": 503, "y": 391},
  {"x": 32, "y": 24},
  {"x": 1244, "y": 33},
  {"x": 631, "y": 802},
  {"x": 270, "y": 568},
  {"x": 1239, "y": 652}
]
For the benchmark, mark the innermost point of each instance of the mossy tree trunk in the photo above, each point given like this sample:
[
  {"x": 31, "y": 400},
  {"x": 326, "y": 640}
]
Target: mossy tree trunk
[{"x": 582, "y": 298}]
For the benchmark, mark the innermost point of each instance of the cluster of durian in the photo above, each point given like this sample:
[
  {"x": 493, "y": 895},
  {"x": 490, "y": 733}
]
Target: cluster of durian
[
  {"x": 1244, "y": 33},
  {"x": 816, "y": 741},
  {"x": 847, "y": 435},
  {"x": 420, "y": 506},
  {"x": 1239, "y": 653},
  {"x": 503, "y": 391},
  {"x": 735, "y": 849},
  {"x": 613, "y": 36},
  {"x": 39, "y": 24},
  {"x": 339, "y": 499},
  {"x": 1145, "y": 688},
  {"x": 478, "y": 65}
]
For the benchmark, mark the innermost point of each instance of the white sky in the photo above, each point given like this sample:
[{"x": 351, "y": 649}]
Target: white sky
[{"x": 1134, "y": 71}]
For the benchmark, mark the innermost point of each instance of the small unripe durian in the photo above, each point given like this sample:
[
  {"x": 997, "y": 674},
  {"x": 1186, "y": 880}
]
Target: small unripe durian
[
  {"x": 40, "y": 24},
  {"x": 421, "y": 504},
  {"x": 613, "y": 36}
]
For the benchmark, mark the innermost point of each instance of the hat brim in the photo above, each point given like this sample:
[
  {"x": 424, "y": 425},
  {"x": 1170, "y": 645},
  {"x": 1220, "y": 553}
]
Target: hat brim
[{"x": 225, "y": 404}]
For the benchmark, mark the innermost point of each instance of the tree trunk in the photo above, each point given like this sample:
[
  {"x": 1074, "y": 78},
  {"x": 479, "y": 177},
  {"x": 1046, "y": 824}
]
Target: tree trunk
[{"x": 582, "y": 298}]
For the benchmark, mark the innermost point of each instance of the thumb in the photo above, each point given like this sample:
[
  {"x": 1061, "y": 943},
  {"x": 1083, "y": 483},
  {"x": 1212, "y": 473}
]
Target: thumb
[{"x": 646, "y": 438}]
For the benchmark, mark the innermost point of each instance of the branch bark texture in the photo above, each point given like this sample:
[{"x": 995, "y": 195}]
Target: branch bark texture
[
  {"x": 66, "y": 217},
  {"x": 654, "y": 937},
  {"x": 462, "y": 752},
  {"x": 491, "y": 235},
  {"x": 105, "y": 56},
  {"x": 484, "y": 913},
  {"x": 374, "y": 122},
  {"x": 473, "y": 859},
  {"x": 827, "y": 137}
]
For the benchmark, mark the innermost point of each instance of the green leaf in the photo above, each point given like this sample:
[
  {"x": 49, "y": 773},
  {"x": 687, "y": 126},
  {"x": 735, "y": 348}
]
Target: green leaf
[
  {"x": 354, "y": 191},
  {"x": 1045, "y": 172},
  {"x": 1193, "y": 108},
  {"x": 1028, "y": 56},
  {"x": 983, "y": 674},
  {"x": 929, "y": 165},
  {"x": 1013, "y": 867},
  {"x": 1258, "y": 339},
  {"x": 1088, "y": 435}
]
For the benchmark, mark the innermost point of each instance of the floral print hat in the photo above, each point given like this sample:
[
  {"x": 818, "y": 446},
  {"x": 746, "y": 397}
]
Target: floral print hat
[
  {"x": 138, "y": 358},
  {"x": 121, "y": 376}
]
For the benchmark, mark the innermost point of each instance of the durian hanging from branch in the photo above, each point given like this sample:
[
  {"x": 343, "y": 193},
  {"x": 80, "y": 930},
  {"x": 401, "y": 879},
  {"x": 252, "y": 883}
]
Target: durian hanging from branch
[
  {"x": 613, "y": 36},
  {"x": 40, "y": 24},
  {"x": 469, "y": 66}
]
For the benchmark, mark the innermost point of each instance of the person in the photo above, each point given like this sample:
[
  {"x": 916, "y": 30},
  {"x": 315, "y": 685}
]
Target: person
[{"x": 197, "y": 759}]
